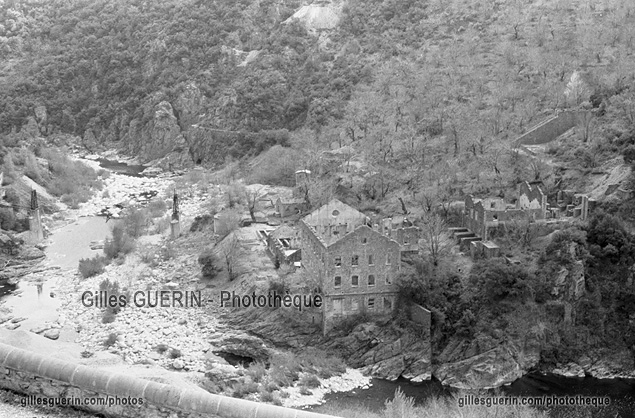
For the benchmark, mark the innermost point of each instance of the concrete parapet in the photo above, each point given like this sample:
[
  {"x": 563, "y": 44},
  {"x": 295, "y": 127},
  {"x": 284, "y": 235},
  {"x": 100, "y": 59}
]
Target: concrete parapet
[{"x": 34, "y": 374}]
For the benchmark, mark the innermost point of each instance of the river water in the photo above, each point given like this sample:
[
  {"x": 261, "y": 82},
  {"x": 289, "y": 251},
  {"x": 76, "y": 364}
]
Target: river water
[
  {"x": 71, "y": 243},
  {"x": 620, "y": 391}
]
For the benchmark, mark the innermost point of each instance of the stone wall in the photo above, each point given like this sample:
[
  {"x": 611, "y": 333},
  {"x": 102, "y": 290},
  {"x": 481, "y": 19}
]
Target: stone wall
[
  {"x": 550, "y": 129},
  {"x": 33, "y": 374}
]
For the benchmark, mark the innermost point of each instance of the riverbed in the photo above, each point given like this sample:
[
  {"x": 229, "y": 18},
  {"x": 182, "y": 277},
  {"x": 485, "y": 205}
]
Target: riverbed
[{"x": 36, "y": 296}]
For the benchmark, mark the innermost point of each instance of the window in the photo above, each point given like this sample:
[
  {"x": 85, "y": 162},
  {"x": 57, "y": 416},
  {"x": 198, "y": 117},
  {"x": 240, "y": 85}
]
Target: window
[
  {"x": 338, "y": 261},
  {"x": 370, "y": 260},
  {"x": 388, "y": 280},
  {"x": 355, "y": 281},
  {"x": 371, "y": 303},
  {"x": 338, "y": 282},
  {"x": 387, "y": 304},
  {"x": 355, "y": 261},
  {"x": 388, "y": 260},
  {"x": 371, "y": 281},
  {"x": 337, "y": 306},
  {"x": 354, "y": 305}
]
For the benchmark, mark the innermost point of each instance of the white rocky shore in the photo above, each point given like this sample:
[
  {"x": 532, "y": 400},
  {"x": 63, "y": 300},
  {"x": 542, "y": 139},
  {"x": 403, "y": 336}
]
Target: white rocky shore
[{"x": 351, "y": 379}]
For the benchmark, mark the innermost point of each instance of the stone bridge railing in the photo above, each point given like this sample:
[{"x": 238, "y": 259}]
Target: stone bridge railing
[{"x": 40, "y": 376}]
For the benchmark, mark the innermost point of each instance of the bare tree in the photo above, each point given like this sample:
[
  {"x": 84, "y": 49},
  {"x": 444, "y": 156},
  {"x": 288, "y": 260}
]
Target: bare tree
[
  {"x": 231, "y": 253},
  {"x": 435, "y": 233},
  {"x": 253, "y": 195}
]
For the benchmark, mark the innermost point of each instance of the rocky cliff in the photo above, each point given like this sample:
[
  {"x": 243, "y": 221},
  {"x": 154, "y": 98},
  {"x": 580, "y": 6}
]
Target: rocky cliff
[{"x": 383, "y": 351}]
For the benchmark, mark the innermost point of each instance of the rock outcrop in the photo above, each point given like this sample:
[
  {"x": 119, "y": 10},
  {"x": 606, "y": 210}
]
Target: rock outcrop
[
  {"x": 159, "y": 136},
  {"x": 466, "y": 364},
  {"x": 382, "y": 351},
  {"x": 316, "y": 17}
]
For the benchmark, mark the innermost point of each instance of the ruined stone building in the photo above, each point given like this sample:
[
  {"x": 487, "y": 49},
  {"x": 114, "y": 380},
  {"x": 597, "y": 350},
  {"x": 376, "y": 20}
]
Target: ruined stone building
[
  {"x": 290, "y": 207},
  {"x": 481, "y": 215},
  {"x": 284, "y": 245},
  {"x": 355, "y": 264},
  {"x": 400, "y": 229}
]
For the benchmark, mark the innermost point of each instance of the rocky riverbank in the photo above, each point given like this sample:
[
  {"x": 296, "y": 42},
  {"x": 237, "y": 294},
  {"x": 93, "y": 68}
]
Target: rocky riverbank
[{"x": 189, "y": 340}]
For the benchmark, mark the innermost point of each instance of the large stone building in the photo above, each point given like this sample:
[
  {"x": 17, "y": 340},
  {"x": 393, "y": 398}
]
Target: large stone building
[{"x": 355, "y": 264}]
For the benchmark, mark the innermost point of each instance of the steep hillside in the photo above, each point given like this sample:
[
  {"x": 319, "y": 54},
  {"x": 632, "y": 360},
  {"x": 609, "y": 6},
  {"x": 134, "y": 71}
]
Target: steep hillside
[{"x": 452, "y": 76}]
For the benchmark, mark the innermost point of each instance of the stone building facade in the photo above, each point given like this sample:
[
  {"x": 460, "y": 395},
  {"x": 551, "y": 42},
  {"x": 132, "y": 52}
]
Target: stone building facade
[
  {"x": 480, "y": 215},
  {"x": 355, "y": 264},
  {"x": 400, "y": 229},
  {"x": 290, "y": 207}
]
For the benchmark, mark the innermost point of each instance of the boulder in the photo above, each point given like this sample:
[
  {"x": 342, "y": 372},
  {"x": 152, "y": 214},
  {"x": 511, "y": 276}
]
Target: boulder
[
  {"x": 31, "y": 253},
  {"x": 52, "y": 334},
  {"x": 491, "y": 369},
  {"x": 178, "y": 364},
  {"x": 243, "y": 345}
]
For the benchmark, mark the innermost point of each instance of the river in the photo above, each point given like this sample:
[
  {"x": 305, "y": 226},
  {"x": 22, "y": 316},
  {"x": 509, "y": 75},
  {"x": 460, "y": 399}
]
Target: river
[
  {"x": 620, "y": 391},
  {"x": 71, "y": 243}
]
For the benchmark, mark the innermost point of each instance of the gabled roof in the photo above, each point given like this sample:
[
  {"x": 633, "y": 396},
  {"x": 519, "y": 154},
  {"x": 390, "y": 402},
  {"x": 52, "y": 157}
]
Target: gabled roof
[
  {"x": 334, "y": 220},
  {"x": 333, "y": 213}
]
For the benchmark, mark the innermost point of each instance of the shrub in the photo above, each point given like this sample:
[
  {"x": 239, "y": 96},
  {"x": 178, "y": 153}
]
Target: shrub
[
  {"x": 241, "y": 390},
  {"x": 284, "y": 369},
  {"x": 108, "y": 317},
  {"x": 157, "y": 208},
  {"x": 322, "y": 364},
  {"x": 162, "y": 224},
  {"x": 200, "y": 222},
  {"x": 161, "y": 348},
  {"x": 279, "y": 286},
  {"x": 210, "y": 264},
  {"x": 135, "y": 222},
  {"x": 111, "y": 340},
  {"x": 89, "y": 267},
  {"x": 112, "y": 288},
  {"x": 120, "y": 244},
  {"x": 32, "y": 168},
  {"x": 256, "y": 371},
  {"x": 175, "y": 353},
  {"x": 266, "y": 396},
  {"x": 310, "y": 381},
  {"x": 104, "y": 174},
  {"x": 168, "y": 251},
  {"x": 7, "y": 219}
]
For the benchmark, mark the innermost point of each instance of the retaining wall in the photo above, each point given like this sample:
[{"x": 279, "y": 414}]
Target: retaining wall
[
  {"x": 33, "y": 374},
  {"x": 549, "y": 129}
]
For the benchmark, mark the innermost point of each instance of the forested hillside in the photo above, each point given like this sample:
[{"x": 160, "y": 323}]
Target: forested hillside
[{"x": 410, "y": 84}]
